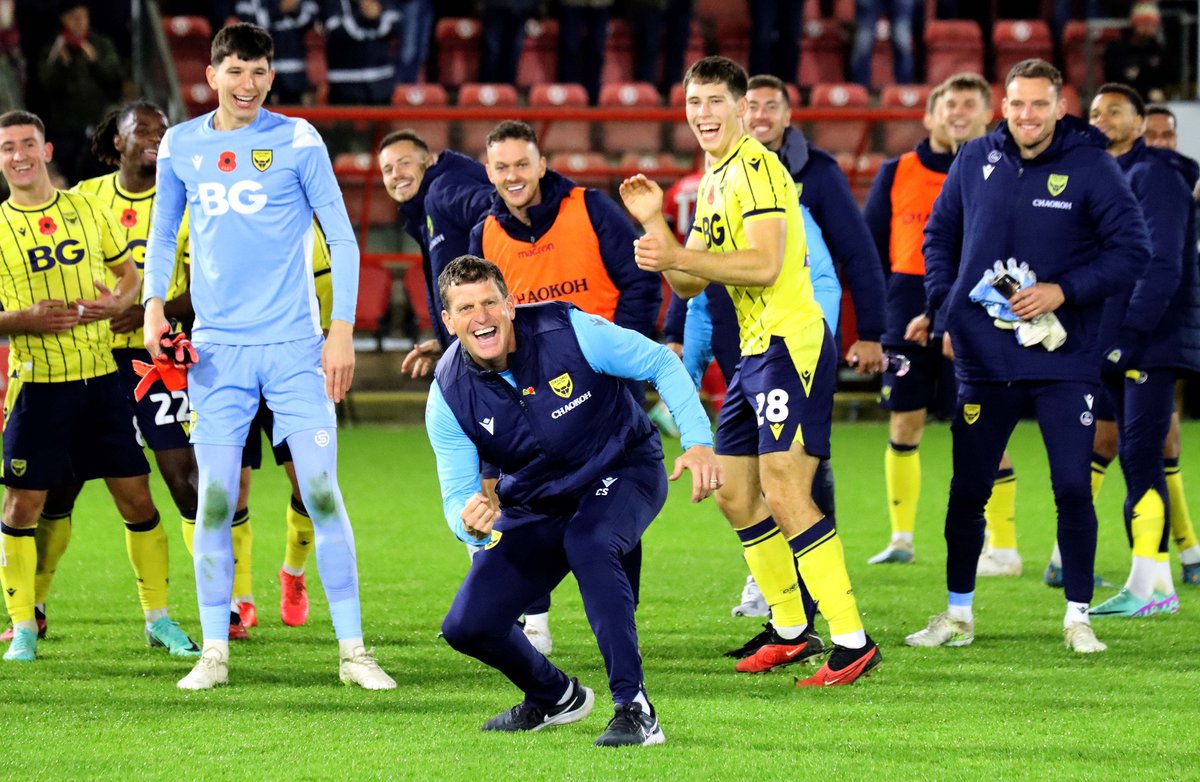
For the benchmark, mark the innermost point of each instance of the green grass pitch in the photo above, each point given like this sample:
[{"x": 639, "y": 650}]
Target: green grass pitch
[{"x": 1016, "y": 704}]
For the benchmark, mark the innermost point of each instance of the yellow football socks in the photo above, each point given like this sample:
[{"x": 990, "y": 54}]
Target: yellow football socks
[
  {"x": 189, "y": 533},
  {"x": 1146, "y": 527},
  {"x": 1182, "y": 530},
  {"x": 822, "y": 564},
  {"x": 299, "y": 538},
  {"x": 146, "y": 544},
  {"x": 52, "y": 536},
  {"x": 771, "y": 563},
  {"x": 1099, "y": 470},
  {"x": 902, "y": 476},
  {"x": 243, "y": 538},
  {"x": 1001, "y": 511},
  {"x": 18, "y": 564}
]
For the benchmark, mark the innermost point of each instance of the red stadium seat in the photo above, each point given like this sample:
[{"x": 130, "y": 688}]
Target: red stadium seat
[
  {"x": 839, "y": 135},
  {"x": 733, "y": 39},
  {"x": 198, "y": 98},
  {"x": 1017, "y": 40},
  {"x": 679, "y": 135},
  {"x": 562, "y": 136},
  {"x": 720, "y": 11},
  {"x": 882, "y": 70},
  {"x": 474, "y": 133},
  {"x": 436, "y": 134},
  {"x": 588, "y": 169},
  {"x": 317, "y": 65},
  {"x": 189, "y": 39},
  {"x": 618, "y": 137},
  {"x": 458, "y": 50},
  {"x": 843, "y": 10},
  {"x": 1076, "y": 38},
  {"x": 661, "y": 167},
  {"x": 539, "y": 57},
  {"x": 374, "y": 299},
  {"x": 822, "y": 53},
  {"x": 358, "y": 175},
  {"x": 952, "y": 46},
  {"x": 1074, "y": 104},
  {"x": 861, "y": 171},
  {"x": 899, "y": 135},
  {"x": 618, "y": 54}
]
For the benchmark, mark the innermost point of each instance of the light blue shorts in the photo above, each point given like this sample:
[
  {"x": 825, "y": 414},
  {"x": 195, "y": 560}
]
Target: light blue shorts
[{"x": 224, "y": 387}]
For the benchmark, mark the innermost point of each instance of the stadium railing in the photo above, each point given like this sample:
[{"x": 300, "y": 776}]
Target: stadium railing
[
  {"x": 370, "y": 124},
  {"x": 374, "y": 218}
]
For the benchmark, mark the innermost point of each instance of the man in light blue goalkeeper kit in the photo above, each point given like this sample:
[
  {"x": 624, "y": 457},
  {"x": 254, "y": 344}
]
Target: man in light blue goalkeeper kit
[
  {"x": 540, "y": 392},
  {"x": 253, "y": 180}
]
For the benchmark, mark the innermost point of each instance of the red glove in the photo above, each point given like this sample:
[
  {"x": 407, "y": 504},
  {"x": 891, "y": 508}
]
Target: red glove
[{"x": 170, "y": 365}]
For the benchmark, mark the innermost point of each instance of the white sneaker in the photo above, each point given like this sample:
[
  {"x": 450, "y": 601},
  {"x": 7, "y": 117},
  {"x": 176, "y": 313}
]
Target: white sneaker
[
  {"x": 999, "y": 562},
  {"x": 1080, "y": 637},
  {"x": 360, "y": 668},
  {"x": 753, "y": 603},
  {"x": 943, "y": 630},
  {"x": 212, "y": 669},
  {"x": 898, "y": 551},
  {"x": 537, "y": 630}
]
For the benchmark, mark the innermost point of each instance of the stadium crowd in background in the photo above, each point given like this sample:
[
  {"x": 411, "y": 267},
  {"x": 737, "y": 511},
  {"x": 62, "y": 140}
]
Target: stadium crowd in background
[{"x": 1097, "y": 253}]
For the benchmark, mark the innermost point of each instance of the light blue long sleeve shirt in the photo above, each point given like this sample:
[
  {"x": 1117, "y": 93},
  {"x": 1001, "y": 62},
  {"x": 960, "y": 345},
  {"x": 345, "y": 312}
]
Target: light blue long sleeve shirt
[{"x": 251, "y": 194}]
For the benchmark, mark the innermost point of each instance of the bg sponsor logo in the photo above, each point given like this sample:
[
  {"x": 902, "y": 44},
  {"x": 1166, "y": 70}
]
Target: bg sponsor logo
[
  {"x": 67, "y": 252},
  {"x": 242, "y": 197}
]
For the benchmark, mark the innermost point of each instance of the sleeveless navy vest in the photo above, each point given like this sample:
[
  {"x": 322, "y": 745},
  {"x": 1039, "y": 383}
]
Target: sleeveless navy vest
[{"x": 561, "y": 428}]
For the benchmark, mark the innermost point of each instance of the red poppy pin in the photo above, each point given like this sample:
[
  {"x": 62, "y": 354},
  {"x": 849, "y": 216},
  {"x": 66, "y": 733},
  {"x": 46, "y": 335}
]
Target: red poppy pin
[
  {"x": 129, "y": 218},
  {"x": 227, "y": 162},
  {"x": 711, "y": 195},
  {"x": 47, "y": 225}
]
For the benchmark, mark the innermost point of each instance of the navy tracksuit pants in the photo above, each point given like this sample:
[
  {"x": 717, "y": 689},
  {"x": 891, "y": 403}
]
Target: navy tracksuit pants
[
  {"x": 534, "y": 553},
  {"x": 1143, "y": 406},
  {"x": 985, "y": 415}
]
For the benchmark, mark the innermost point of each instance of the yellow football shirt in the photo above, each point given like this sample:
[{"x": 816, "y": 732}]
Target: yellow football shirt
[
  {"x": 751, "y": 184},
  {"x": 130, "y": 213},
  {"x": 322, "y": 277},
  {"x": 57, "y": 250}
]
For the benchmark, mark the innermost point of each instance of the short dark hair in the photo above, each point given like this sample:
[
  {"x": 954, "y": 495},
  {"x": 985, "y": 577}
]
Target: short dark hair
[
  {"x": 964, "y": 82},
  {"x": 10, "y": 119},
  {"x": 512, "y": 128},
  {"x": 1035, "y": 69},
  {"x": 766, "y": 81},
  {"x": 110, "y": 125},
  {"x": 1161, "y": 108},
  {"x": 719, "y": 70},
  {"x": 404, "y": 134},
  {"x": 466, "y": 269},
  {"x": 1129, "y": 93},
  {"x": 244, "y": 40}
]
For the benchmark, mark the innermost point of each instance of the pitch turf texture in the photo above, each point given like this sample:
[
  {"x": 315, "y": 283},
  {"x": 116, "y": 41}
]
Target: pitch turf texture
[{"x": 100, "y": 704}]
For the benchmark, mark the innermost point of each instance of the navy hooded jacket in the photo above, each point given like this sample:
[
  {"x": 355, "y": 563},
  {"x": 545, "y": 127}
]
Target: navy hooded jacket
[
  {"x": 826, "y": 192},
  {"x": 640, "y": 292},
  {"x": 454, "y": 195},
  {"x": 1151, "y": 318},
  {"x": 1068, "y": 213}
]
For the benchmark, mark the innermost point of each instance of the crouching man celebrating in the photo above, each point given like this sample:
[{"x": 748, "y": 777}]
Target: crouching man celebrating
[{"x": 538, "y": 391}]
